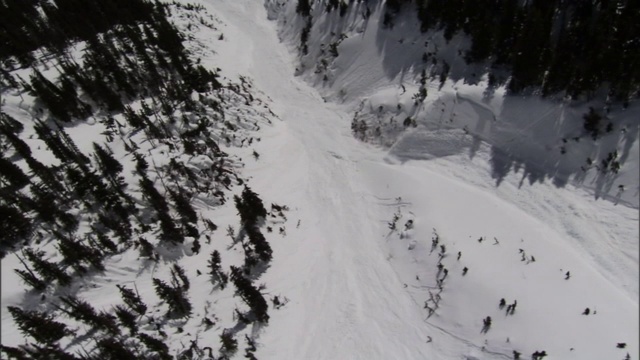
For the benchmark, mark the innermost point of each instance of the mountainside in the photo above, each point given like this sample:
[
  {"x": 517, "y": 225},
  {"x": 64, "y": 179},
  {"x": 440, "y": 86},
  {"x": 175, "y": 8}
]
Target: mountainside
[
  {"x": 335, "y": 198},
  {"x": 399, "y": 81}
]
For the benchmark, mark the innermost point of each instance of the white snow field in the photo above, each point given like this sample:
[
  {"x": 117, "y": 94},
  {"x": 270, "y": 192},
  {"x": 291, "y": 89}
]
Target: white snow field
[{"x": 360, "y": 288}]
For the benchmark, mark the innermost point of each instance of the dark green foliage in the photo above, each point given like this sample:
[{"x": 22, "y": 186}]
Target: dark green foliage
[
  {"x": 174, "y": 296},
  {"x": 106, "y": 243},
  {"x": 303, "y": 8},
  {"x": 156, "y": 346},
  {"x": 14, "y": 226},
  {"x": 40, "y": 326},
  {"x": 188, "y": 215},
  {"x": 178, "y": 276},
  {"x": 109, "y": 165},
  {"x": 49, "y": 271},
  {"x": 229, "y": 343},
  {"x": 250, "y": 349},
  {"x": 127, "y": 318},
  {"x": 9, "y": 130},
  {"x": 27, "y": 29},
  {"x": 169, "y": 230},
  {"x": 141, "y": 164},
  {"x": 82, "y": 311},
  {"x": 14, "y": 353},
  {"x": 75, "y": 252},
  {"x": 16, "y": 178},
  {"x": 558, "y": 46},
  {"x": 38, "y": 352},
  {"x": 592, "y": 123},
  {"x": 249, "y": 206},
  {"x": 146, "y": 249},
  {"x": 31, "y": 279},
  {"x": 183, "y": 206},
  {"x": 304, "y": 37},
  {"x": 133, "y": 300},
  {"x": 53, "y": 141},
  {"x": 62, "y": 102},
  {"x": 250, "y": 295},
  {"x": 153, "y": 196},
  {"x": 216, "y": 270},
  {"x": 343, "y": 8},
  {"x": 260, "y": 244},
  {"x": 111, "y": 348}
]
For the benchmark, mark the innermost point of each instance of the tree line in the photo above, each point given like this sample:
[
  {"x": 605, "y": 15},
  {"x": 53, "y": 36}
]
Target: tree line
[{"x": 555, "y": 46}]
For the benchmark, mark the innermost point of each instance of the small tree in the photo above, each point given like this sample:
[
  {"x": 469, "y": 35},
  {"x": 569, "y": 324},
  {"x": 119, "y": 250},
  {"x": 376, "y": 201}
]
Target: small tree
[
  {"x": 183, "y": 207},
  {"x": 146, "y": 249},
  {"x": 250, "y": 295},
  {"x": 14, "y": 353},
  {"x": 177, "y": 272},
  {"x": 260, "y": 244},
  {"x": 29, "y": 277},
  {"x": 127, "y": 318},
  {"x": 592, "y": 121},
  {"x": 75, "y": 252},
  {"x": 133, "y": 300},
  {"x": 82, "y": 311},
  {"x": 39, "y": 326},
  {"x": 156, "y": 346},
  {"x": 303, "y": 8},
  {"x": 229, "y": 343},
  {"x": 48, "y": 270},
  {"x": 250, "y": 207},
  {"x": 114, "y": 349},
  {"x": 216, "y": 270},
  {"x": 173, "y": 296}
]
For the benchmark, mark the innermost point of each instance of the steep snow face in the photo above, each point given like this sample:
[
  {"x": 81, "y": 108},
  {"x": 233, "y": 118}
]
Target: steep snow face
[
  {"x": 379, "y": 71},
  {"x": 360, "y": 268},
  {"x": 357, "y": 257}
]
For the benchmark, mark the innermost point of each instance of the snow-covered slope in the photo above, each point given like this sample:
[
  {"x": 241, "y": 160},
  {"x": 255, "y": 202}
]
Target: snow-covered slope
[
  {"x": 356, "y": 257},
  {"x": 377, "y": 72},
  {"x": 345, "y": 271}
]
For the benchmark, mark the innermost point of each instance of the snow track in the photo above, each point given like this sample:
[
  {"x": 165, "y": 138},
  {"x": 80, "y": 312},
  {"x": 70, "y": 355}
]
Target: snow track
[
  {"x": 356, "y": 290},
  {"x": 344, "y": 294}
]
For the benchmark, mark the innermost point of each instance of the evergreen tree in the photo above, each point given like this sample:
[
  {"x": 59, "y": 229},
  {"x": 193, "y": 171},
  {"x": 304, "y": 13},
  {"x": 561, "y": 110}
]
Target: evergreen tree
[
  {"x": 249, "y": 207},
  {"x": 14, "y": 353},
  {"x": 216, "y": 269},
  {"x": 132, "y": 300},
  {"x": 250, "y": 295},
  {"x": 127, "y": 318},
  {"x": 14, "y": 226},
  {"x": 303, "y": 8},
  {"x": 46, "y": 269},
  {"x": 105, "y": 243},
  {"x": 156, "y": 346},
  {"x": 183, "y": 206},
  {"x": 40, "y": 326},
  {"x": 109, "y": 165},
  {"x": 83, "y": 311},
  {"x": 260, "y": 244},
  {"x": 179, "y": 278},
  {"x": 229, "y": 343},
  {"x": 174, "y": 297},
  {"x": 74, "y": 252},
  {"x": 111, "y": 348},
  {"x": 31, "y": 279},
  {"x": 592, "y": 123},
  {"x": 15, "y": 177}
]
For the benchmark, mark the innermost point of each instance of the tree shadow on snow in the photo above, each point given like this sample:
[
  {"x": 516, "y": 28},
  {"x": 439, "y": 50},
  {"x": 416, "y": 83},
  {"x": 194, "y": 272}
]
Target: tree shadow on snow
[{"x": 543, "y": 138}]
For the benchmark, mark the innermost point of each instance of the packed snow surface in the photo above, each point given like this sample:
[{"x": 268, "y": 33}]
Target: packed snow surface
[
  {"x": 358, "y": 289},
  {"x": 359, "y": 264}
]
